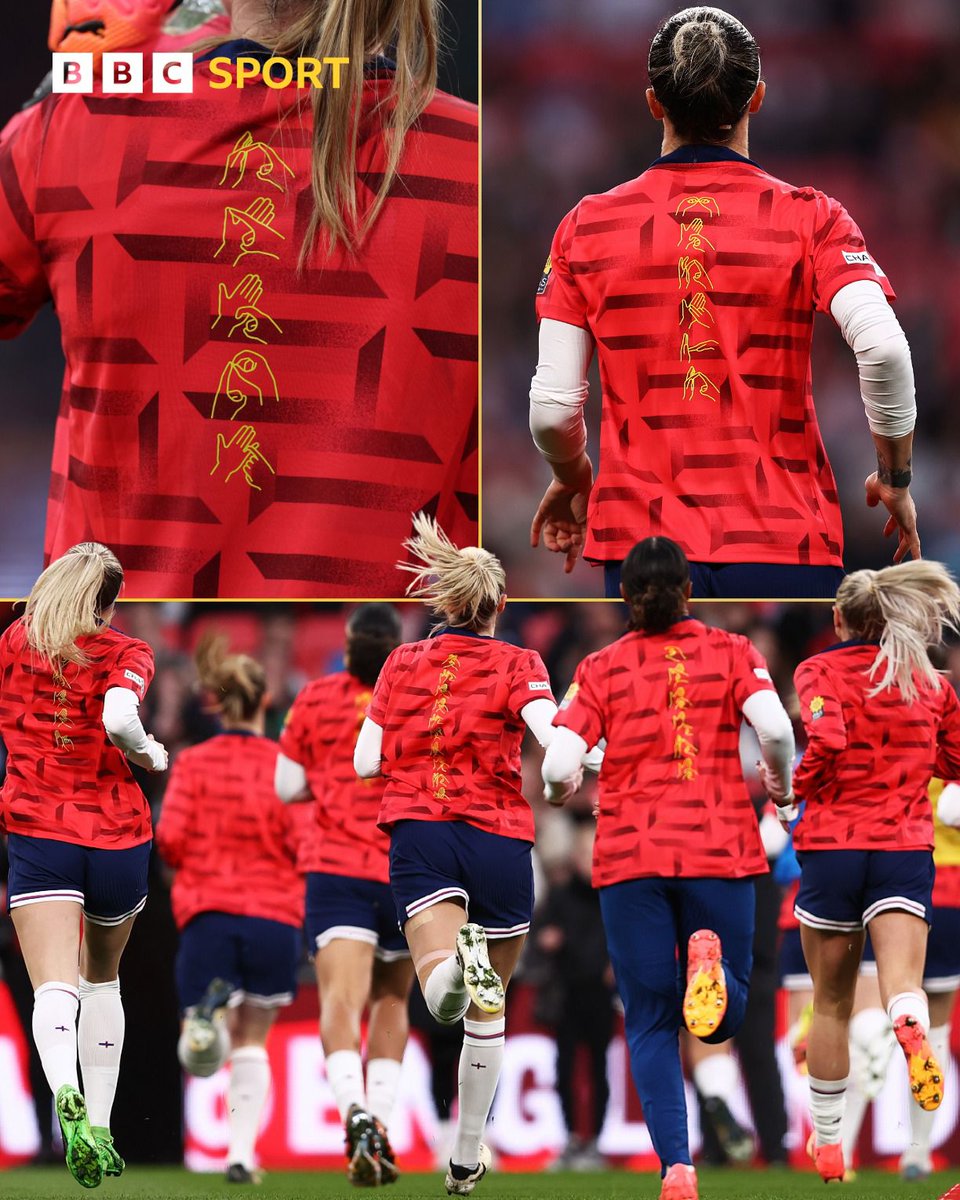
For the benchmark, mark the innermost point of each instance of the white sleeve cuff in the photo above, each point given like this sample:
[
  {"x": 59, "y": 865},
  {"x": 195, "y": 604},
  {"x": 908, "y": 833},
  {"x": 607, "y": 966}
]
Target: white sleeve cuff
[
  {"x": 121, "y": 720},
  {"x": 559, "y": 391}
]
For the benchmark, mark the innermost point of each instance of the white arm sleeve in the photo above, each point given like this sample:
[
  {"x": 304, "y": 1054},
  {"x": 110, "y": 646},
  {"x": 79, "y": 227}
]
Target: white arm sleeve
[
  {"x": 765, "y": 712},
  {"x": 366, "y": 756},
  {"x": 290, "y": 780},
  {"x": 538, "y": 717},
  {"x": 559, "y": 391},
  {"x": 871, "y": 330},
  {"x": 564, "y": 756},
  {"x": 948, "y": 806},
  {"x": 121, "y": 720}
]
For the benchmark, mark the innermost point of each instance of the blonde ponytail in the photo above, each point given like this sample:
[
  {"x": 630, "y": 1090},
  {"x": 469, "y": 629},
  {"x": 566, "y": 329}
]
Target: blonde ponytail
[
  {"x": 237, "y": 683},
  {"x": 906, "y": 608},
  {"x": 68, "y": 600},
  {"x": 360, "y": 30},
  {"x": 464, "y": 586}
]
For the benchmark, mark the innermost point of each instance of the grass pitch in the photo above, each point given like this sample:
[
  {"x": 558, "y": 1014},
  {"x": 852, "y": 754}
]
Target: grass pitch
[{"x": 151, "y": 1183}]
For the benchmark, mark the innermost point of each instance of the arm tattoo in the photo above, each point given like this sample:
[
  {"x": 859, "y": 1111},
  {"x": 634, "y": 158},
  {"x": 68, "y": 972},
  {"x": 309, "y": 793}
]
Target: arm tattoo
[{"x": 899, "y": 478}]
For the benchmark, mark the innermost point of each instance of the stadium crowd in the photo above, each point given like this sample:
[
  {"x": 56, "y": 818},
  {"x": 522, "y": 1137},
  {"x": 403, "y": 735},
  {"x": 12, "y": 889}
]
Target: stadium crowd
[{"x": 862, "y": 103}]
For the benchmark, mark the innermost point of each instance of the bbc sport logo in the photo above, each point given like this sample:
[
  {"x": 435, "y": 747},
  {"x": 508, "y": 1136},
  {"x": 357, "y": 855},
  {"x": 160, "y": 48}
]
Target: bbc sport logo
[{"x": 173, "y": 73}]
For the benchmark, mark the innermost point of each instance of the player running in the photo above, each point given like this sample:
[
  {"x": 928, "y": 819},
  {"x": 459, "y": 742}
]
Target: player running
[
  {"x": 445, "y": 726},
  {"x": 236, "y": 455},
  {"x": 78, "y": 831},
  {"x": 879, "y": 722},
  {"x": 360, "y": 956},
  {"x": 697, "y": 285},
  {"x": 237, "y": 896},
  {"x": 678, "y": 842}
]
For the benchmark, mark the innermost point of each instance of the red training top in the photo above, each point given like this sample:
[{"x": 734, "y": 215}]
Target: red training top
[
  {"x": 321, "y": 734},
  {"x": 232, "y": 843},
  {"x": 699, "y": 282},
  {"x": 65, "y": 779},
  {"x": 869, "y": 759},
  {"x": 449, "y": 708},
  {"x": 673, "y": 801},
  {"x": 230, "y": 425}
]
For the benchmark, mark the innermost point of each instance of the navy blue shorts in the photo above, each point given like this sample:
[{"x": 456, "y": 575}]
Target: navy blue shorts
[
  {"x": 258, "y": 957},
  {"x": 941, "y": 971},
  {"x": 361, "y": 910},
  {"x": 749, "y": 581},
  {"x": 843, "y": 890},
  {"x": 794, "y": 972},
  {"x": 110, "y": 884},
  {"x": 431, "y": 861}
]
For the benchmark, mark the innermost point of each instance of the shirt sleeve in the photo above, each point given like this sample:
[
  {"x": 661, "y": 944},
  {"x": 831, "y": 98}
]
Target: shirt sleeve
[
  {"x": 750, "y": 673},
  {"x": 23, "y": 282},
  {"x": 529, "y": 681},
  {"x": 173, "y": 828},
  {"x": 824, "y": 725},
  {"x": 581, "y": 709},
  {"x": 558, "y": 296},
  {"x": 840, "y": 255},
  {"x": 948, "y": 737},
  {"x": 134, "y": 669},
  {"x": 294, "y": 740},
  {"x": 377, "y": 711}
]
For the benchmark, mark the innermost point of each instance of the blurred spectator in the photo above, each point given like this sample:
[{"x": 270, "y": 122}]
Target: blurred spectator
[{"x": 576, "y": 997}]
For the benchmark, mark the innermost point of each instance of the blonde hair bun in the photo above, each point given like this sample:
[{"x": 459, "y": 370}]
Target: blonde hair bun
[{"x": 464, "y": 586}]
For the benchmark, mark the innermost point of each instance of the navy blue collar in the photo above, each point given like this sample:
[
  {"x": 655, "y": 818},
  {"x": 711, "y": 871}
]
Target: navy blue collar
[
  {"x": 245, "y": 48},
  {"x": 456, "y": 632},
  {"x": 701, "y": 154},
  {"x": 846, "y": 645},
  {"x": 239, "y": 733}
]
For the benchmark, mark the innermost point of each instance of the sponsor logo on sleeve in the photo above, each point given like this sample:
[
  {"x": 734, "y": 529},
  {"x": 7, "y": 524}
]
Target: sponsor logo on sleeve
[
  {"x": 570, "y": 695},
  {"x": 545, "y": 277},
  {"x": 539, "y": 685},
  {"x": 761, "y": 673},
  {"x": 134, "y": 678},
  {"x": 816, "y": 708},
  {"x": 857, "y": 258}
]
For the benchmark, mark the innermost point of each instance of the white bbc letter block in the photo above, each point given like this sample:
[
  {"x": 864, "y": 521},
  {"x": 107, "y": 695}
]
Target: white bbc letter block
[
  {"x": 172, "y": 73},
  {"x": 73, "y": 73},
  {"x": 123, "y": 73}
]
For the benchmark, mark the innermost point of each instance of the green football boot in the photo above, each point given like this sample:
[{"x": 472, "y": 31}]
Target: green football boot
[
  {"x": 82, "y": 1151},
  {"x": 113, "y": 1164}
]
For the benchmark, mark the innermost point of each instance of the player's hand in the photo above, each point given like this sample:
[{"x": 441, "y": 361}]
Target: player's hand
[
  {"x": 903, "y": 515},
  {"x": 558, "y": 794},
  {"x": 154, "y": 759},
  {"x": 561, "y": 520}
]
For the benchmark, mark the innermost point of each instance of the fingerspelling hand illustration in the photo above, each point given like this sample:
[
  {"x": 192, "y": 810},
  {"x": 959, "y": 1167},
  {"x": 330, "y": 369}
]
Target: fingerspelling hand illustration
[
  {"x": 243, "y": 451},
  {"x": 242, "y": 306},
  {"x": 257, "y": 218},
  {"x": 247, "y": 376},
  {"x": 240, "y": 160}
]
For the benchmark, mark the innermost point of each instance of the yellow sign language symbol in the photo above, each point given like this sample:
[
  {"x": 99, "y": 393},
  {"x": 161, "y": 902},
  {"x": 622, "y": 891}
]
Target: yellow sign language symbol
[
  {"x": 693, "y": 232},
  {"x": 688, "y": 348},
  {"x": 240, "y": 453},
  {"x": 271, "y": 163},
  {"x": 696, "y": 381},
  {"x": 694, "y": 308},
  {"x": 250, "y": 223},
  {"x": 242, "y": 306},
  {"x": 707, "y": 202},
  {"x": 247, "y": 376},
  {"x": 691, "y": 270}
]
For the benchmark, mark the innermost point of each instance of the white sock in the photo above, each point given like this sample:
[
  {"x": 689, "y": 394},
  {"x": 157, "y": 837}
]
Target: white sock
[
  {"x": 480, "y": 1063},
  {"x": 203, "y": 1061},
  {"x": 383, "y": 1080},
  {"x": 345, "y": 1074},
  {"x": 921, "y": 1122},
  {"x": 716, "y": 1077},
  {"x": 445, "y": 995},
  {"x": 55, "y": 1032},
  {"x": 100, "y": 1042},
  {"x": 909, "y": 1004},
  {"x": 246, "y": 1097},
  {"x": 826, "y": 1108},
  {"x": 854, "y": 1110}
]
